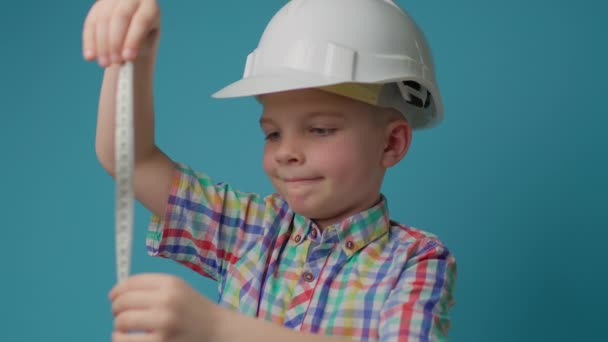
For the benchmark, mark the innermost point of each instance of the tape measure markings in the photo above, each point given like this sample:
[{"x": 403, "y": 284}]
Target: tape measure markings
[{"x": 123, "y": 154}]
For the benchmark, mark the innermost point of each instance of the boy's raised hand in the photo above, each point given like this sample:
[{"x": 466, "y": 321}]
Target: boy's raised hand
[
  {"x": 119, "y": 30},
  {"x": 161, "y": 307}
]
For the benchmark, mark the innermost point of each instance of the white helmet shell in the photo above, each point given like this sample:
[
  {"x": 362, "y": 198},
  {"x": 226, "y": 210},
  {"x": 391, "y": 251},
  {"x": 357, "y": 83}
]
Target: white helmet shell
[{"x": 318, "y": 43}]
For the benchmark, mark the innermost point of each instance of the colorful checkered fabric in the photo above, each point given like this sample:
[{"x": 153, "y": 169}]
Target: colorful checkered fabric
[{"x": 367, "y": 277}]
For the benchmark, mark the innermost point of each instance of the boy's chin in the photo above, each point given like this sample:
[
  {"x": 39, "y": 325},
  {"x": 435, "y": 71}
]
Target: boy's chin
[
  {"x": 315, "y": 207},
  {"x": 308, "y": 210},
  {"x": 304, "y": 210},
  {"x": 316, "y": 213}
]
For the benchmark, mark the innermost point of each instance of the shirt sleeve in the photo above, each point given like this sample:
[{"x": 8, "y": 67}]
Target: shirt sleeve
[
  {"x": 417, "y": 308},
  {"x": 206, "y": 226}
]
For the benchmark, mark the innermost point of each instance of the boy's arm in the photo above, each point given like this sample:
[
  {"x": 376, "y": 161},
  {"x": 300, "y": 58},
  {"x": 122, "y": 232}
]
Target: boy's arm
[
  {"x": 105, "y": 34},
  {"x": 153, "y": 169},
  {"x": 252, "y": 329},
  {"x": 417, "y": 308},
  {"x": 166, "y": 308}
]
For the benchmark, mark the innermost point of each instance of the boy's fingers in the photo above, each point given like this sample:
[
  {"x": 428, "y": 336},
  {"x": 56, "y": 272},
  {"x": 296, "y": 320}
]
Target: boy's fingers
[
  {"x": 88, "y": 33},
  {"x": 101, "y": 40},
  {"x": 118, "y": 26},
  {"x": 114, "y": 30},
  {"x": 117, "y": 29},
  {"x": 137, "y": 320},
  {"x": 146, "y": 281},
  {"x": 118, "y": 336},
  {"x": 144, "y": 21},
  {"x": 88, "y": 41},
  {"x": 134, "y": 300}
]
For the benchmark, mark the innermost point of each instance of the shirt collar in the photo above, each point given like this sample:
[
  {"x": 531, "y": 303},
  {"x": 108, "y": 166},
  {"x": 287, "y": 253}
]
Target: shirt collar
[{"x": 351, "y": 233}]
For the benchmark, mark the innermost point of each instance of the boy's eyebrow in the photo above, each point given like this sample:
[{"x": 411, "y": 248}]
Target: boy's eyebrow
[
  {"x": 310, "y": 115},
  {"x": 327, "y": 113},
  {"x": 264, "y": 120}
]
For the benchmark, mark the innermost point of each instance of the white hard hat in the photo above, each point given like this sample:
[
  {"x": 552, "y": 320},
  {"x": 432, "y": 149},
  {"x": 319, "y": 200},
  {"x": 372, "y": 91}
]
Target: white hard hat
[{"x": 331, "y": 43}]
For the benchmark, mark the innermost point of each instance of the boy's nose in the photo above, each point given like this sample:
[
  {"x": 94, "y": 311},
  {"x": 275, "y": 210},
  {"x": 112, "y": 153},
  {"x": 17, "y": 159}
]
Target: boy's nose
[{"x": 289, "y": 152}]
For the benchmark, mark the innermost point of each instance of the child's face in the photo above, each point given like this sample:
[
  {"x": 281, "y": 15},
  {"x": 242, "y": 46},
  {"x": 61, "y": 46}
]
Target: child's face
[{"x": 324, "y": 153}]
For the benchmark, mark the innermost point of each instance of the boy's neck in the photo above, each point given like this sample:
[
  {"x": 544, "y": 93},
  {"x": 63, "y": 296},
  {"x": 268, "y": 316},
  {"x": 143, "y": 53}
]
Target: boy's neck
[{"x": 322, "y": 224}]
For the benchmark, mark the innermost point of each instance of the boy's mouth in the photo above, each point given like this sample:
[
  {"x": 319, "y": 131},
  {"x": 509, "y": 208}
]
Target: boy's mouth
[{"x": 301, "y": 179}]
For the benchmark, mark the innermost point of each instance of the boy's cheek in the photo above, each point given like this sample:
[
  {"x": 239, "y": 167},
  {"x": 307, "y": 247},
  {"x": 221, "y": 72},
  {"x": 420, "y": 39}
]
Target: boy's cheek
[
  {"x": 334, "y": 159},
  {"x": 267, "y": 161}
]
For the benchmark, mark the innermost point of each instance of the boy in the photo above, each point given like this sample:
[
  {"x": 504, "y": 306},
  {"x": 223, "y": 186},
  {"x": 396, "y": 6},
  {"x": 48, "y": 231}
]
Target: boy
[{"x": 342, "y": 84}]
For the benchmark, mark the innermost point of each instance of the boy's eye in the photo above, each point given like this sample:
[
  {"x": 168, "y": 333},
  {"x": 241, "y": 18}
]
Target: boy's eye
[
  {"x": 322, "y": 131},
  {"x": 272, "y": 135}
]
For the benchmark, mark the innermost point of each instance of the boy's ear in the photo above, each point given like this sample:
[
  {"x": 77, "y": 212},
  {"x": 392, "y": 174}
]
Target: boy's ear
[{"x": 397, "y": 142}]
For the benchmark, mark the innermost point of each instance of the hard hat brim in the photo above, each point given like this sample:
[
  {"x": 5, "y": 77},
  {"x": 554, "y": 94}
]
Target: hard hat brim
[
  {"x": 294, "y": 80},
  {"x": 265, "y": 84}
]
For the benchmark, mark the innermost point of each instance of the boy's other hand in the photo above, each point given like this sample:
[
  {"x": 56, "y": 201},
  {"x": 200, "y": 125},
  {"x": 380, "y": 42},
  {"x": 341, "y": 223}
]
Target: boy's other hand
[
  {"x": 160, "y": 307},
  {"x": 115, "y": 31}
]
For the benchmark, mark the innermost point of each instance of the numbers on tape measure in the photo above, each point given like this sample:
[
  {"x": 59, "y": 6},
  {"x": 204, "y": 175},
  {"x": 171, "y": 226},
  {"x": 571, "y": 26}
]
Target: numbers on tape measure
[{"x": 123, "y": 155}]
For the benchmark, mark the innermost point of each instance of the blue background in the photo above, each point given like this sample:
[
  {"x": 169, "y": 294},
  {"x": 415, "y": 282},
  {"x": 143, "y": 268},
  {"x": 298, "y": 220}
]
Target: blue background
[{"x": 513, "y": 181}]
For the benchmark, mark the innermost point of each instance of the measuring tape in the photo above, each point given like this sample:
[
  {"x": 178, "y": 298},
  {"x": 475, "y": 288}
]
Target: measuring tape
[{"x": 123, "y": 154}]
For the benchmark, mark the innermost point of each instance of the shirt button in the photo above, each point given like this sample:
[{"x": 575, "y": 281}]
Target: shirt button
[
  {"x": 297, "y": 238},
  {"x": 309, "y": 277},
  {"x": 349, "y": 244}
]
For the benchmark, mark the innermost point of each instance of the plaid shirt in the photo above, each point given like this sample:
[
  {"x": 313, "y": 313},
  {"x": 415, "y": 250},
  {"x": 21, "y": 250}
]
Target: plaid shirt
[{"x": 366, "y": 277}]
